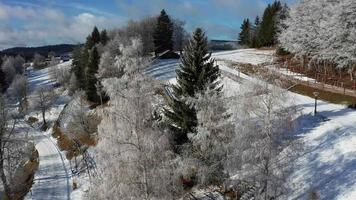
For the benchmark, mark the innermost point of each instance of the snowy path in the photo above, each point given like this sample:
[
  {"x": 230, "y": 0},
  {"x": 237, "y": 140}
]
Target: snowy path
[
  {"x": 328, "y": 162},
  {"x": 53, "y": 179}
]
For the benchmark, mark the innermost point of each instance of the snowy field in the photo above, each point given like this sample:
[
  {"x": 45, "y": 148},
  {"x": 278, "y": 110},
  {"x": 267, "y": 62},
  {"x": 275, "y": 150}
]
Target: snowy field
[
  {"x": 328, "y": 162},
  {"x": 165, "y": 69}
]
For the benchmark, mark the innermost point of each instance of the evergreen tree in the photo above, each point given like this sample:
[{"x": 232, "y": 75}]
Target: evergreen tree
[
  {"x": 257, "y": 21},
  {"x": 246, "y": 32},
  {"x": 255, "y": 39},
  {"x": 3, "y": 83},
  {"x": 268, "y": 28},
  {"x": 104, "y": 38},
  {"x": 78, "y": 67},
  {"x": 93, "y": 39},
  {"x": 91, "y": 80},
  {"x": 163, "y": 33},
  {"x": 196, "y": 74}
]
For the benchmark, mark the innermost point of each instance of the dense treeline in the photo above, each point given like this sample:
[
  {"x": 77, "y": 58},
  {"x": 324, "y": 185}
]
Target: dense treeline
[
  {"x": 10, "y": 67},
  {"x": 28, "y": 53},
  {"x": 263, "y": 32},
  {"x": 322, "y": 35}
]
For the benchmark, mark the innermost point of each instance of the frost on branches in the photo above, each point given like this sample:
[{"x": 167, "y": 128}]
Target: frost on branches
[
  {"x": 132, "y": 154},
  {"x": 323, "y": 31},
  {"x": 262, "y": 149},
  {"x": 208, "y": 150}
]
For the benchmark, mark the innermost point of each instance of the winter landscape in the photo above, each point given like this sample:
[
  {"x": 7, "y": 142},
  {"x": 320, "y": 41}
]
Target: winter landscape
[{"x": 185, "y": 100}]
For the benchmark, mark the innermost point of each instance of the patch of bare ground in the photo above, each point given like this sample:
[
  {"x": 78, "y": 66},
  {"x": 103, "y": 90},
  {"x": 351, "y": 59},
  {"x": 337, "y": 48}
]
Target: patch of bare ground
[
  {"x": 65, "y": 143},
  {"x": 71, "y": 140}
]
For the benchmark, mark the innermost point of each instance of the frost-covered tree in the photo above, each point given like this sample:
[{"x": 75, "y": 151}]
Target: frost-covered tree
[
  {"x": 19, "y": 88},
  {"x": 262, "y": 147},
  {"x": 61, "y": 73},
  {"x": 136, "y": 166},
  {"x": 113, "y": 63},
  {"x": 9, "y": 70},
  {"x": 18, "y": 64},
  {"x": 180, "y": 36},
  {"x": 43, "y": 100},
  {"x": 14, "y": 153},
  {"x": 209, "y": 147},
  {"x": 196, "y": 74},
  {"x": 321, "y": 32},
  {"x": 38, "y": 61}
]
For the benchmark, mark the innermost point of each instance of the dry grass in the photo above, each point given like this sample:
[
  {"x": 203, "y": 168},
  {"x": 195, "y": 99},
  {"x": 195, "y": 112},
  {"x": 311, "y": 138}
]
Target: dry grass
[
  {"x": 67, "y": 144},
  {"x": 32, "y": 120},
  {"x": 25, "y": 175}
]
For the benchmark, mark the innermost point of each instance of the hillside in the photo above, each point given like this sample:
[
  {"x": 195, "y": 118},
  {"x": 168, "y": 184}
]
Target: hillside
[{"x": 28, "y": 52}]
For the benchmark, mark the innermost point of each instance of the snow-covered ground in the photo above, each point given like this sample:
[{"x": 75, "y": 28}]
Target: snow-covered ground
[
  {"x": 53, "y": 177},
  {"x": 328, "y": 162},
  {"x": 246, "y": 56},
  {"x": 166, "y": 69}
]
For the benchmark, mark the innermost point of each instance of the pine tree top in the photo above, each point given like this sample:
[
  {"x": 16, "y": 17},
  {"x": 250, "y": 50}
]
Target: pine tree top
[{"x": 197, "y": 71}]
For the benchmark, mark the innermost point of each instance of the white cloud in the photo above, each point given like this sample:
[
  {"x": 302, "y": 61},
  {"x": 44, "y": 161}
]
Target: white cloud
[{"x": 23, "y": 25}]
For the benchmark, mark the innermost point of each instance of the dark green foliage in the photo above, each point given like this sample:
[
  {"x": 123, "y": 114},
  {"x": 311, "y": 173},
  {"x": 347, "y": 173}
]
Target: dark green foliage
[
  {"x": 267, "y": 33},
  {"x": 104, "y": 38},
  {"x": 163, "y": 33},
  {"x": 196, "y": 74},
  {"x": 78, "y": 66},
  {"x": 86, "y": 63},
  {"x": 263, "y": 32},
  {"x": 245, "y": 36},
  {"x": 197, "y": 71},
  {"x": 3, "y": 83},
  {"x": 257, "y": 21},
  {"x": 91, "y": 80},
  {"x": 93, "y": 39}
]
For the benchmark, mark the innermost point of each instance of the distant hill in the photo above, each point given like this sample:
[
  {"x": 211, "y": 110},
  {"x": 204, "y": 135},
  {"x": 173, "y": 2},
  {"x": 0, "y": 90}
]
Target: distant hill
[
  {"x": 223, "y": 44},
  {"x": 28, "y": 52}
]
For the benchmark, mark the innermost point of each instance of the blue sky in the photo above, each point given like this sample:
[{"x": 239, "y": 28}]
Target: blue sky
[{"x": 42, "y": 22}]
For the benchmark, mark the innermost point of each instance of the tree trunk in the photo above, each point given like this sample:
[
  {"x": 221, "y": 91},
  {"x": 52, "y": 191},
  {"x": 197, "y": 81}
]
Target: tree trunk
[
  {"x": 352, "y": 70},
  {"x": 3, "y": 176},
  {"x": 44, "y": 116}
]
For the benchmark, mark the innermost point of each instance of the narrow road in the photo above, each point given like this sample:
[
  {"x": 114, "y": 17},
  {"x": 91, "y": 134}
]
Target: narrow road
[{"x": 52, "y": 180}]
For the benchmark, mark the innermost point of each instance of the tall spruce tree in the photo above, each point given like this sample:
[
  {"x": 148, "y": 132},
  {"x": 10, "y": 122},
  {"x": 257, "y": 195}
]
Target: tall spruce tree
[
  {"x": 91, "y": 80},
  {"x": 268, "y": 29},
  {"x": 245, "y": 35},
  {"x": 78, "y": 67},
  {"x": 3, "y": 83},
  {"x": 104, "y": 38},
  {"x": 255, "y": 39},
  {"x": 196, "y": 73},
  {"x": 93, "y": 39},
  {"x": 163, "y": 33}
]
